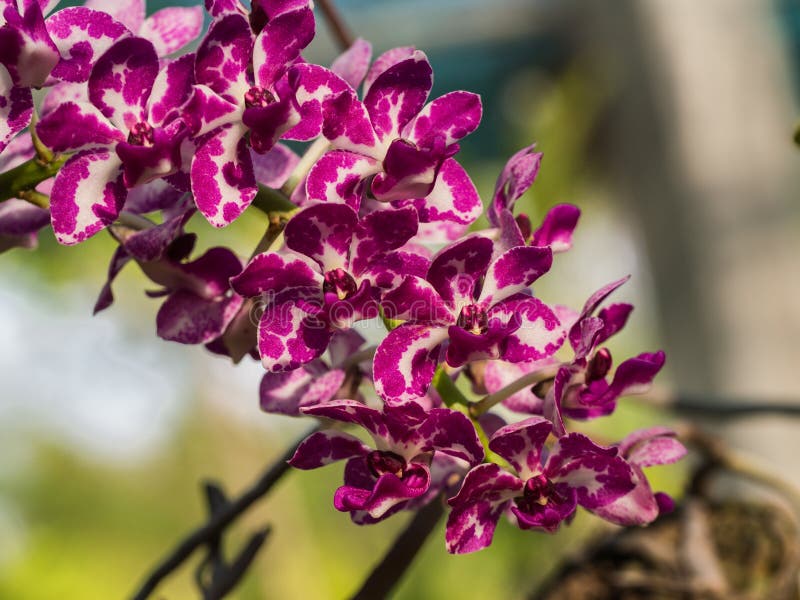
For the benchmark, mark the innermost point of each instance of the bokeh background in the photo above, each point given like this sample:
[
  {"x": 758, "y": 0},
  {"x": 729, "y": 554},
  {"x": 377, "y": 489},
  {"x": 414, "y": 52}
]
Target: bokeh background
[{"x": 669, "y": 122}]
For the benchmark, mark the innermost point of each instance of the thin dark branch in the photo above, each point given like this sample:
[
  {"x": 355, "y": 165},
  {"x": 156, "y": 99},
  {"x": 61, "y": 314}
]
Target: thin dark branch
[
  {"x": 234, "y": 572},
  {"x": 402, "y": 553},
  {"x": 336, "y": 24},
  {"x": 208, "y": 532},
  {"x": 732, "y": 409}
]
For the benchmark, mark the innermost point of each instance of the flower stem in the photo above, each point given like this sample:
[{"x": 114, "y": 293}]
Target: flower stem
[
  {"x": 402, "y": 553},
  {"x": 25, "y": 177},
  {"x": 308, "y": 160},
  {"x": 336, "y": 23},
  {"x": 478, "y": 408}
]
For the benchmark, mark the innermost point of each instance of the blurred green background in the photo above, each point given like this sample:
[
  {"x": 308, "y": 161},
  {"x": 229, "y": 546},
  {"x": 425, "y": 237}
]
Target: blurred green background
[{"x": 106, "y": 432}]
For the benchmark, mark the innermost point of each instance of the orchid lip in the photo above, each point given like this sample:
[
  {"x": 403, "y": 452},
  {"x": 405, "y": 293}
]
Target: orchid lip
[
  {"x": 258, "y": 97},
  {"x": 141, "y": 134},
  {"x": 339, "y": 282},
  {"x": 382, "y": 462},
  {"x": 538, "y": 491},
  {"x": 474, "y": 319}
]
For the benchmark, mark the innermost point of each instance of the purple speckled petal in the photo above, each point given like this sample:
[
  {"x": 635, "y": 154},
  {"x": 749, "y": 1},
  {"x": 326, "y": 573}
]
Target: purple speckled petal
[
  {"x": 398, "y": 94},
  {"x": 339, "y": 177},
  {"x": 453, "y": 197},
  {"x": 456, "y": 269},
  {"x": 325, "y": 447},
  {"x": 451, "y": 117},
  {"x": 451, "y": 432},
  {"x": 224, "y": 56},
  {"x": 467, "y": 346},
  {"x": 599, "y": 296},
  {"x": 223, "y": 181},
  {"x": 637, "y": 507},
  {"x": 16, "y": 108},
  {"x": 386, "y": 60},
  {"x": 634, "y": 376},
  {"x": 517, "y": 176},
  {"x": 389, "y": 270},
  {"x": 170, "y": 29},
  {"x": 324, "y": 233},
  {"x": 539, "y": 335},
  {"x": 206, "y": 110},
  {"x": 416, "y": 300},
  {"x": 513, "y": 271},
  {"x": 171, "y": 90},
  {"x": 268, "y": 123},
  {"x": 274, "y": 272},
  {"x": 351, "y": 411},
  {"x": 652, "y": 446},
  {"x": 290, "y": 334},
  {"x": 477, "y": 507},
  {"x": 521, "y": 444},
  {"x": 25, "y": 46},
  {"x": 346, "y": 124},
  {"x": 129, "y": 13},
  {"x": 122, "y": 79},
  {"x": 557, "y": 227},
  {"x": 189, "y": 319},
  {"x": 614, "y": 318},
  {"x": 218, "y": 8},
  {"x": 274, "y": 167},
  {"x": 281, "y": 393},
  {"x": 155, "y": 195},
  {"x": 313, "y": 89},
  {"x": 554, "y": 398},
  {"x": 106, "y": 297},
  {"x": 151, "y": 244},
  {"x": 18, "y": 217},
  {"x": 379, "y": 232},
  {"x": 389, "y": 491},
  {"x": 87, "y": 196},
  {"x": 343, "y": 345},
  {"x": 596, "y": 473},
  {"x": 81, "y": 36},
  {"x": 406, "y": 360},
  {"x": 353, "y": 63},
  {"x": 280, "y": 43},
  {"x": 214, "y": 269},
  {"x": 75, "y": 126},
  {"x": 409, "y": 172}
]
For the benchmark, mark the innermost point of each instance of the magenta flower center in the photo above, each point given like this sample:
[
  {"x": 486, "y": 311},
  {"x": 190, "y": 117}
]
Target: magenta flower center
[
  {"x": 141, "y": 134},
  {"x": 537, "y": 493},
  {"x": 339, "y": 282},
  {"x": 473, "y": 318},
  {"x": 258, "y": 97},
  {"x": 599, "y": 365},
  {"x": 382, "y": 462}
]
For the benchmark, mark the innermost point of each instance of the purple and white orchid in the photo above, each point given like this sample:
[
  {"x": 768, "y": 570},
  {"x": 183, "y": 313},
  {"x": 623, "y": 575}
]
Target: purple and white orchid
[
  {"x": 481, "y": 306},
  {"x": 379, "y": 481},
  {"x": 130, "y": 134},
  {"x": 545, "y": 489}
]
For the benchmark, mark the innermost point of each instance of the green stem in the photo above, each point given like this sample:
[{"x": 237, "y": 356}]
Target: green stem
[
  {"x": 268, "y": 200},
  {"x": 27, "y": 176},
  {"x": 476, "y": 409},
  {"x": 447, "y": 389}
]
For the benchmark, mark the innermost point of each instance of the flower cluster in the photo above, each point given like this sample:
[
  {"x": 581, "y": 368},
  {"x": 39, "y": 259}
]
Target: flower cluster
[{"x": 371, "y": 225}]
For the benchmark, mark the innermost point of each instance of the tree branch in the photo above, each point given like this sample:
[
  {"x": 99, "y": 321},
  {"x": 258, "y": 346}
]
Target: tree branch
[
  {"x": 402, "y": 553},
  {"x": 207, "y": 533},
  {"x": 336, "y": 24}
]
